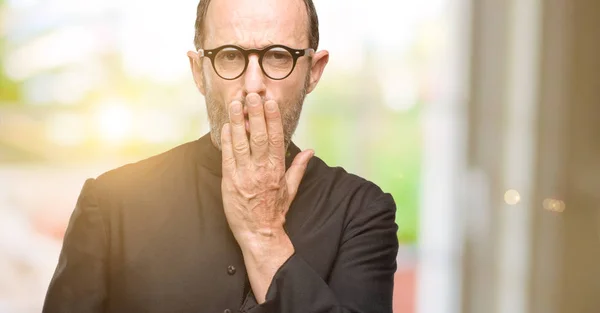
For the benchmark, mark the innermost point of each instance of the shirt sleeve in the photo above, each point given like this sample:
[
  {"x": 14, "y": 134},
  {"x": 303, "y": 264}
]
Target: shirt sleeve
[
  {"x": 79, "y": 281},
  {"x": 361, "y": 280}
]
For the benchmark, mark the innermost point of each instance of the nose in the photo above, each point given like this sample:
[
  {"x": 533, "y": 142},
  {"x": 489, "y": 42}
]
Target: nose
[{"x": 254, "y": 78}]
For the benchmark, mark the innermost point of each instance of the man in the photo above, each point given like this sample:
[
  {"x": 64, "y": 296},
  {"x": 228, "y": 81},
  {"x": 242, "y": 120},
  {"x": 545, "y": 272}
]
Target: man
[{"x": 240, "y": 219}]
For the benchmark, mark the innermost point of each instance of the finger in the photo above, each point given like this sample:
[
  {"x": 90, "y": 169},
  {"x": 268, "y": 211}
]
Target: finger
[
  {"x": 239, "y": 141},
  {"x": 294, "y": 174},
  {"x": 275, "y": 131},
  {"x": 228, "y": 162},
  {"x": 259, "y": 140}
]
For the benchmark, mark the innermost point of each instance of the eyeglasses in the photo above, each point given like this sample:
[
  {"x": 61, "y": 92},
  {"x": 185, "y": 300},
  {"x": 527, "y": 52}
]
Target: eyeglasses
[{"x": 277, "y": 61}]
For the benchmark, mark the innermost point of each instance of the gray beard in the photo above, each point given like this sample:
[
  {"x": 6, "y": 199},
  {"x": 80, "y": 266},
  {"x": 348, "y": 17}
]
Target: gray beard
[{"x": 218, "y": 114}]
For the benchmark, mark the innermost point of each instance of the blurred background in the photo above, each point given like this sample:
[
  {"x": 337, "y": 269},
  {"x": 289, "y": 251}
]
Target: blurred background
[{"x": 482, "y": 118}]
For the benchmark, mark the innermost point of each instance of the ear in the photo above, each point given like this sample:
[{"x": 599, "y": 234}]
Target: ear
[
  {"x": 196, "y": 68},
  {"x": 319, "y": 60}
]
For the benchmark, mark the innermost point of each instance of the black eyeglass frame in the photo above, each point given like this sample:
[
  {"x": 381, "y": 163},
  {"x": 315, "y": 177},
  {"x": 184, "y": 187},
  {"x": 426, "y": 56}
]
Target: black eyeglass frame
[{"x": 296, "y": 53}]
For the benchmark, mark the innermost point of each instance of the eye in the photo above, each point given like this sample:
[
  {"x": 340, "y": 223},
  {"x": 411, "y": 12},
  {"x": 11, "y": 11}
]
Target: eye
[
  {"x": 278, "y": 56},
  {"x": 230, "y": 55}
]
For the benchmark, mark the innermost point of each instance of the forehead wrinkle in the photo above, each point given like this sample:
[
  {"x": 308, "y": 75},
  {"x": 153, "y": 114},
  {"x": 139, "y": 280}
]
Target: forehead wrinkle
[{"x": 255, "y": 45}]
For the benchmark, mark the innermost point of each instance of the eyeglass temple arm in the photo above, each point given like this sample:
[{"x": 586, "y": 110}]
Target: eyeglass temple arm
[
  {"x": 308, "y": 52},
  {"x": 201, "y": 53}
]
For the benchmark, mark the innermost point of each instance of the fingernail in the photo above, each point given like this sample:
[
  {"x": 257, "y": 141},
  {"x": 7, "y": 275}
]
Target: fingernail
[
  {"x": 236, "y": 108},
  {"x": 270, "y": 105},
  {"x": 253, "y": 99}
]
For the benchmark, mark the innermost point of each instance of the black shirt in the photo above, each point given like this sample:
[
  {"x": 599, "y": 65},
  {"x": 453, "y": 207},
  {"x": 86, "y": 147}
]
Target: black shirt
[{"x": 152, "y": 237}]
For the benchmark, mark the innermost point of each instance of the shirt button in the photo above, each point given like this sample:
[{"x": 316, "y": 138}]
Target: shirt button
[
  {"x": 230, "y": 270},
  {"x": 227, "y": 311}
]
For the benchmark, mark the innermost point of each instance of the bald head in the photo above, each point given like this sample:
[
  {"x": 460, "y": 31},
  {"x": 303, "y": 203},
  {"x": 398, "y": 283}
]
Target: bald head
[{"x": 300, "y": 15}]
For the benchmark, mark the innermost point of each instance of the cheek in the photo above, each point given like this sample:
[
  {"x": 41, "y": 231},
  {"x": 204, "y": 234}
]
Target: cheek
[
  {"x": 287, "y": 90},
  {"x": 221, "y": 90}
]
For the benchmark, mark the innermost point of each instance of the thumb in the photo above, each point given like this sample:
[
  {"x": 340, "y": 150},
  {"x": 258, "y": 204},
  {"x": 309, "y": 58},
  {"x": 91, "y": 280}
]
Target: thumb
[{"x": 294, "y": 174}]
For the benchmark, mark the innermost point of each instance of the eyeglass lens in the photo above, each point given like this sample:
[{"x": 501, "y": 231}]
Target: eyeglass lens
[{"x": 277, "y": 63}]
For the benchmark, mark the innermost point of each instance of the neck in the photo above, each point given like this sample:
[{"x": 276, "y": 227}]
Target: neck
[{"x": 214, "y": 141}]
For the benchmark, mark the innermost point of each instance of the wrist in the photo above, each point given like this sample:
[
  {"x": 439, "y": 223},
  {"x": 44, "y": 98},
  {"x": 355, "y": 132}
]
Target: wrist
[
  {"x": 263, "y": 257},
  {"x": 267, "y": 244}
]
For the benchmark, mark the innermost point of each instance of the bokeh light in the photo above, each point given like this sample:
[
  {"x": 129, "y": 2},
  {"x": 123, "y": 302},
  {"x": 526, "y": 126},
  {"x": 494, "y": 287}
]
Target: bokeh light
[
  {"x": 512, "y": 197},
  {"x": 554, "y": 205}
]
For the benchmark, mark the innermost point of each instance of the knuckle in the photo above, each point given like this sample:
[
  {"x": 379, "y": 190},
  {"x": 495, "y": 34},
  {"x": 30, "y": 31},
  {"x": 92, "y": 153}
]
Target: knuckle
[
  {"x": 240, "y": 147},
  {"x": 277, "y": 162},
  {"x": 259, "y": 139},
  {"x": 229, "y": 162},
  {"x": 273, "y": 116},
  {"x": 255, "y": 112},
  {"x": 274, "y": 183},
  {"x": 266, "y": 179},
  {"x": 260, "y": 165},
  {"x": 262, "y": 179},
  {"x": 276, "y": 141}
]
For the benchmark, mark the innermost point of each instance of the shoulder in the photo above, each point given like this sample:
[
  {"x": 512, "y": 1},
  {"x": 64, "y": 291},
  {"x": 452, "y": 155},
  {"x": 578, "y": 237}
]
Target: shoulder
[
  {"x": 346, "y": 189},
  {"x": 152, "y": 170},
  {"x": 359, "y": 203}
]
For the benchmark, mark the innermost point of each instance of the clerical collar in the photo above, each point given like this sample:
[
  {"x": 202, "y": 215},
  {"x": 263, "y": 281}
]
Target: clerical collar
[{"x": 210, "y": 156}]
